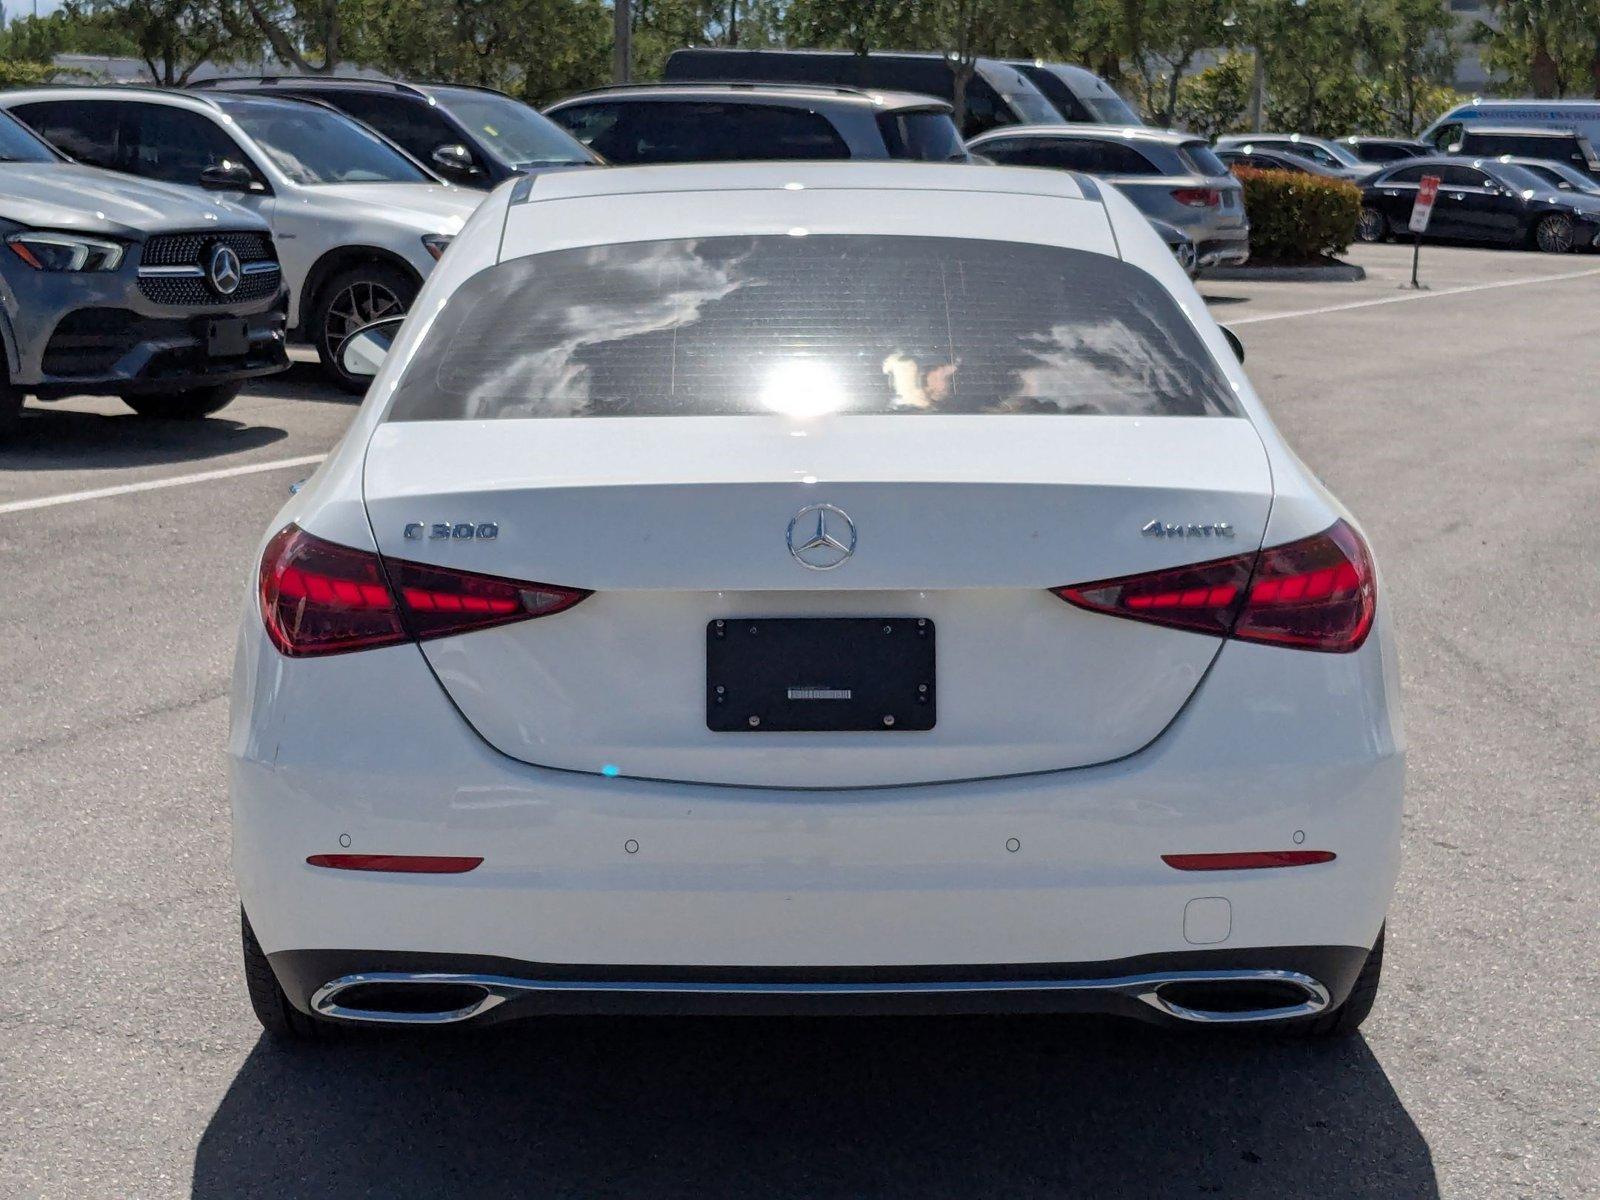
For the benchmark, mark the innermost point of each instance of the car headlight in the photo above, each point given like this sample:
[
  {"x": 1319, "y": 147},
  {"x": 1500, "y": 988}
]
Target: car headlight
[
  {"x": 437, "y": 243},
  {"x": 65, "y": 251}
]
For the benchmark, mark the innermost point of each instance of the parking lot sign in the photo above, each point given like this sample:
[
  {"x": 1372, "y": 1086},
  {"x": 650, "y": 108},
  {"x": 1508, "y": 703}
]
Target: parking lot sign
[{"x": 1423, "y": 208}]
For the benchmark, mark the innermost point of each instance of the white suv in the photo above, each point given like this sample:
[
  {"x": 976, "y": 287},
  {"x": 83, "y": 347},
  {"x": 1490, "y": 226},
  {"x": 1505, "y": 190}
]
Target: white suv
[{"x": 358, "y": 224}]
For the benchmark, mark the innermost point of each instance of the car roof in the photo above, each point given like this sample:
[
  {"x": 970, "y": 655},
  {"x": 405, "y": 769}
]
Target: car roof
[
  {"x": 1519, "y": 130},
  {"x": 1360, "y": 139},
  {"x": 233, "y": 84},
  {"x": 114, "y": 91},
  {"x": 1134, "y": 133},
  {"x": 1274, "y": 137},
  {"x": 874, "y": 98}
]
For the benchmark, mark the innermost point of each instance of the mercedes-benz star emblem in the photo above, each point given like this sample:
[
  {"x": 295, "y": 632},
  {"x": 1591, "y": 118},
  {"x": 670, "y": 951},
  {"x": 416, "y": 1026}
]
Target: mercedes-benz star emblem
[
  {"x": 824, "y": 543},
  {"x": 224, "y": 271}
]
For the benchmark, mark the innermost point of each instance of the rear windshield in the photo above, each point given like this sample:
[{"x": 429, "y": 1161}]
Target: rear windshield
[
  {"x": 925, "y": 136},
  {"x": 1203, "y": 159},
  {"x": 809, "y": 325},
  {"x": 1492, "y": 145}
]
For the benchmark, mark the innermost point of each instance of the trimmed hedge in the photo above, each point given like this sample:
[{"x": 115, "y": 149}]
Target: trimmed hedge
[{"x": 1296, "y": 217}]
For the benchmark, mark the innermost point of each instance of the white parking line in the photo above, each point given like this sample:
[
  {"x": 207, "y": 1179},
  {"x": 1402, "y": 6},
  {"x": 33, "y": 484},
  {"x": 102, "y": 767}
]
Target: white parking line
[
  {"x": 151, "y": 485},
  {"x": 1408, "y": 296}
]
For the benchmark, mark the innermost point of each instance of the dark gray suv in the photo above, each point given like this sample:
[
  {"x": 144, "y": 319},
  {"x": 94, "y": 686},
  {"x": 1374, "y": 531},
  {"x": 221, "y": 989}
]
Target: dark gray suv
[{"x": 110, "y": 285}]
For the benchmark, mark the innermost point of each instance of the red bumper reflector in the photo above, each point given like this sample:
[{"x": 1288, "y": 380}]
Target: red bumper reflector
[
  {"x": 410, "y": 864},
  {"x": 1248, "y": 860}
]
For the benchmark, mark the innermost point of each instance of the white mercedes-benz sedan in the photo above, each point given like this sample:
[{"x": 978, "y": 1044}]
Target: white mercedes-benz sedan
[{"x": 812, "y": 587}]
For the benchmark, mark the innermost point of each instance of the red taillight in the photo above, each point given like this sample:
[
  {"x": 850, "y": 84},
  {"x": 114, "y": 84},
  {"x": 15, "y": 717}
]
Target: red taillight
[
  {"x": 318, "y": 597},
  {"x": 1247, "y": 860},
  {"x": 1318, "y": 594},
  {"x": 1198, "y": 197},
  {"x": 404, "y": 864}
]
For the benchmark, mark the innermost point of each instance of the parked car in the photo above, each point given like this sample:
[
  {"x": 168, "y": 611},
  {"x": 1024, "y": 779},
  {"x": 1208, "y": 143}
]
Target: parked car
[
  {"x": 723, "y": 122},
  {"x": 1552, "y": 145},
  {"x": 473, "y": 136},
  {"x": 358, "y": 224},
  {"x": 1382, "y": 150},
  {"x": 1563, "y": 116},
  {"x": 1258, "y": 158},
  {"x": 819, "y": 755},
  {"x": 1173, "y": 177},
  {"x": 1481, "y": 200},
  {"x": 1077, "y": 93},
  {"x": 997, "y": 94},
  {"x": 1561, "y": 176},
  {"x": 1330, "y": 155},
  {"x": 112, "y": 286}
]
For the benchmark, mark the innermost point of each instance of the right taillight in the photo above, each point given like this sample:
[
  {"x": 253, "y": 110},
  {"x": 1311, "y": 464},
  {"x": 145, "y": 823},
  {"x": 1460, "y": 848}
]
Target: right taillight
[
  {"x": 318, "y": 597},
  {"x": 1315, "y": 594},
  {"x": 1198, "y": 197}
]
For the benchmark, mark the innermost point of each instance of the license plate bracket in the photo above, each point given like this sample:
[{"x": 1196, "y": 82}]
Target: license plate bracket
[
  {"x": 228, "y": 337},
  {"x": 820, "y": 675}
]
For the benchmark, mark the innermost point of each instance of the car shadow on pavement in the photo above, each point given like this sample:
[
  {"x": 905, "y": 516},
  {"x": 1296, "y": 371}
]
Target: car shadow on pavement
[
  {"x": 307, "y": 381},
  {"x": 61, "y": 439},
  {"x": 750, "y": 1107}
]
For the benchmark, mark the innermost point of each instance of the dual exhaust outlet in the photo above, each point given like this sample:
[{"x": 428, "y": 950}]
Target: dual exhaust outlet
[{"x": 1201, "y": 997}]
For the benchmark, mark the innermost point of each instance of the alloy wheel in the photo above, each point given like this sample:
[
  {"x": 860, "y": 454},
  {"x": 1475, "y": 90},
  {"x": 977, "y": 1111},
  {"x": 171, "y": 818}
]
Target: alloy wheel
[
  {"x": 1371, "y": 227},
  {"x": 360, "y": 303},
  {"x": 1554, "y": 235}
]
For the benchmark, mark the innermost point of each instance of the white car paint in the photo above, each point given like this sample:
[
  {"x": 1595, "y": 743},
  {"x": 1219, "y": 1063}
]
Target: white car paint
[{"x": 1073, "y": 749}]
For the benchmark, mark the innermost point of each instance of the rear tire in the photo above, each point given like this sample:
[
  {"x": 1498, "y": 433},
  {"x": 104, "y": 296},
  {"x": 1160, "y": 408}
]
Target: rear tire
[
  {"x": 355, "y": 297},
  {"x": 1555, "y": 234},
  {"x": 1373, "y": 226},
  {"x": 1347, "y": 1018},
  {"x": 267, "y": 998},
  {"x": 190, "y": 405}
]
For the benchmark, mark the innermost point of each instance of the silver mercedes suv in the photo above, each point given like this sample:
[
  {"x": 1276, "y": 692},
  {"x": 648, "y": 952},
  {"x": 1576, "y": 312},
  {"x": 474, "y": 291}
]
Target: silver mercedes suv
[{"x": 108, "y": 285}]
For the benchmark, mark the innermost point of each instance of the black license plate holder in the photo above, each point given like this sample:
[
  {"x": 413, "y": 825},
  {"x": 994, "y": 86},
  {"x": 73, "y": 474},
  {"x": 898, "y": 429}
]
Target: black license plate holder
[
  {"x": 228, "y": 337},
  {"x": 820, "y": 675}
]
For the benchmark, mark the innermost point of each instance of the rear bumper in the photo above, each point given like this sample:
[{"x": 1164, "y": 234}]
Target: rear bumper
[
  {"x": 1194, "y": 987},
  {"x": 1224, "y": 251},
  {"x": 1050, "y": 876}
]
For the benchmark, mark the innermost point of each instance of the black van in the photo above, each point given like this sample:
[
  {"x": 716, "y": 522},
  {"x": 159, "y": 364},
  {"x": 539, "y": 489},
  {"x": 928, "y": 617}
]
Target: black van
[
  {"x": 1493, "y": 141},
  {"x": 997, "y": 94}
]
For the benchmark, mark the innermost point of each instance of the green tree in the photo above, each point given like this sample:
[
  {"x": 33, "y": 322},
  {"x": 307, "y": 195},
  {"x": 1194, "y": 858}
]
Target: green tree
[
  {"x": 1214, "y": 101},
  {"x": 1179, "y": 30},
  {"x": 1539, "y": 46}
]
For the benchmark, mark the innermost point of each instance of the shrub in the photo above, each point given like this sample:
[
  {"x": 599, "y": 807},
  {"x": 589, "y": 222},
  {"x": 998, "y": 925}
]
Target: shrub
[{"x": 1299, "y": 218}]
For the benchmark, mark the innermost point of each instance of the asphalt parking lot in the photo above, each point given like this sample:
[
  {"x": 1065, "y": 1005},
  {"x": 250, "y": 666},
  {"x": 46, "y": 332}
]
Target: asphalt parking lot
[{"x": 1461, "y": 424}]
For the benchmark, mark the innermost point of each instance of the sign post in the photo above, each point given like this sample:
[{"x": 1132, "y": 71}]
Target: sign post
[{"x": 1420, "y": 212}]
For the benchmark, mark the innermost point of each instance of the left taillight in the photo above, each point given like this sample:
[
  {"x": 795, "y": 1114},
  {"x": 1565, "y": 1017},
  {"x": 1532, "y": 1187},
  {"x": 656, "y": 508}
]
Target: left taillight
[
  {"x": 1319, "y": 593},
  {"x": 1198, "y": 197},
  {"x": 318, "y": 597}
]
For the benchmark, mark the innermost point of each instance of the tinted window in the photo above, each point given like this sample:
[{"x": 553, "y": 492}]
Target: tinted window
[
  {"x": 18, "y": 145},
  {"x": 924, "y": 136},
  {"x": 1492, "y": 145},
  {"x": 315, "y": 146},
  {"x": 1410, "y": 174},
  {"x": 512, "y": 130},
  {"x": 1202, "y": 158},
  {"x": 1315, "y": 153},
  {"x": 1076, "y": 154},
  {"x": 1058, "y": 93},
  {"x": 82, "y": 129},
  {"x": 648, "y": 131},
  {"x": 174, "y": 144},
  {"x": 409, "y": 124},
  {"x": 1461, "y": 177},
  {"x": 803, "y": 326},
  {"x": 1379, "y": 152}
]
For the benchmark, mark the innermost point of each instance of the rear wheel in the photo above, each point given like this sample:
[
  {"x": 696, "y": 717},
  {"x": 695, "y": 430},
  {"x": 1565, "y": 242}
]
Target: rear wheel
[
  {"x": 355, "y": 297},
  {"x": 188, "y": 405},
  {"x": 1373, "y": 226},
  {"x": 1554, "y": 234},
  {"x": 1347, "y": 1018},
  {"x": 272, "y": 1008}
]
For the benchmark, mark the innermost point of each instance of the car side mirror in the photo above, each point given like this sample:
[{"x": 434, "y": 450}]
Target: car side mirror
[
  {"x": 228, "y": 176},
  {"x": 455, "y": 159},
  {"x": 363, "y": 352},
  {"x": 1233, "y": 340}
]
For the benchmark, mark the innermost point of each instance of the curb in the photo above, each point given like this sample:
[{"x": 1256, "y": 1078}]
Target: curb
[{"x": 1334, "y": 273}]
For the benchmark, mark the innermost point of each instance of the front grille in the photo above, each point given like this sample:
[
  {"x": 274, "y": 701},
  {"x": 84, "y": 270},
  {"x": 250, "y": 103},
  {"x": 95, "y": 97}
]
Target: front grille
[
  {"x": 185, "y": 249},
  {"x": 194, "y": 290}
]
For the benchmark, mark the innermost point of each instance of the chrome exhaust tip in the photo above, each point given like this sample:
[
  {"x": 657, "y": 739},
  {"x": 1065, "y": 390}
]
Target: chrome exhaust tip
[
  {"x": 396, "y": 998},
  {"x": 1237, "y": 997}
]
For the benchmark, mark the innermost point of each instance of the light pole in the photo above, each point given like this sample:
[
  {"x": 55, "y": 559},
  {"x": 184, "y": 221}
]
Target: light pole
[{"x": 622, "y": 41}]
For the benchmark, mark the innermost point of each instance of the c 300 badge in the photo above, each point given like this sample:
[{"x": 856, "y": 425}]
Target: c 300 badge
[{"x": 456, "y": 531}]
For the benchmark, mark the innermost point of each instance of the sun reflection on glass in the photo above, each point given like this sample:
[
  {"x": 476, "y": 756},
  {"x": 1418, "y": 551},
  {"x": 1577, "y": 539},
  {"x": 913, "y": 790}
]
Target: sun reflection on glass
[{"x": 801, "y": 388}]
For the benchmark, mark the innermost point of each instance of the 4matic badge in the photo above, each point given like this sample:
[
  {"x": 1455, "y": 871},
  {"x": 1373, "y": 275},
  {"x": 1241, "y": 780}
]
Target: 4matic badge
[{"x": 1208, "y": 529}]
